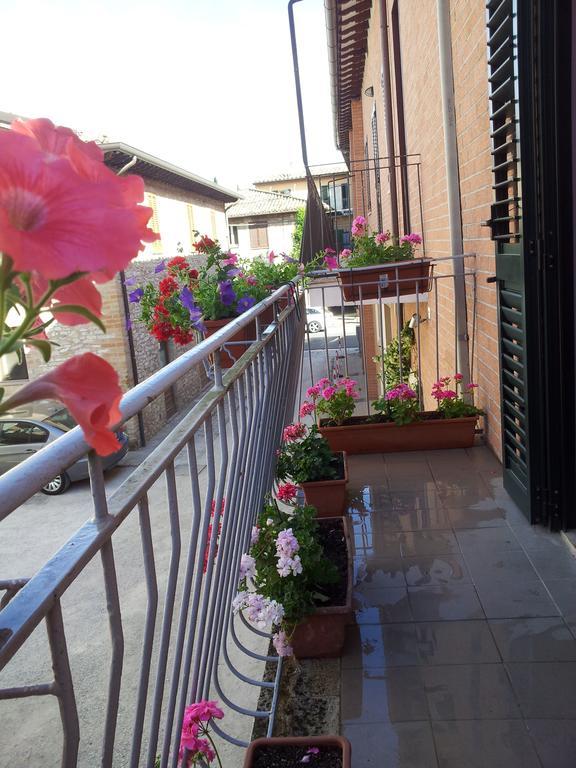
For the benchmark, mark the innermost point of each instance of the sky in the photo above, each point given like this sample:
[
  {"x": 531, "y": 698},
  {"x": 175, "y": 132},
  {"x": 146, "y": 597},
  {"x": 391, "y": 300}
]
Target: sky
[{"x": 205, "y": 84}]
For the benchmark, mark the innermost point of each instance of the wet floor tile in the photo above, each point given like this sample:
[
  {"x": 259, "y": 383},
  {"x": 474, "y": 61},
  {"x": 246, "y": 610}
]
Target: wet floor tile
[
  {"x": 428, "y": 543},
  {"x": 484, "y": 744},
  {"x": 448, "y": 603},
  {"x": 415, "y": 499},
  {"x": 373, "y": 572},
  {"x": 511, "y": 599},
  {"x": 559, "y": 565},
  {"x": 389, "y": 695},
  {"x": 489, "y": 516},
  {"x": 547, "y": 639},
  {"x": 382, "y": 606},
  {"x": 555, "y": 742},
  {"x": 500, "y": 539},
  {"x": 414, "y": 519},
  {"x": 436, "y": 570},
  {"x": 512, "y": 566},
  {"x": 456, "y": 642},
  {"x": 397, "y": 745},
  {"x": 469, "y": 692},
  {"x": 370, "y": 646},
  {"x": 546, "y": 689}
]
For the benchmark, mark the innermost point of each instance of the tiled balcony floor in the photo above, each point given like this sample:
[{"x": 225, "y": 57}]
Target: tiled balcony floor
[{"x": 464, "y": 650}]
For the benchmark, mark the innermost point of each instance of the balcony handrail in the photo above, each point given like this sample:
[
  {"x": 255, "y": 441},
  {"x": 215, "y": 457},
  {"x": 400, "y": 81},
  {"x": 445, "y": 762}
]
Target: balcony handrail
[{"x": 28, "y": 477}]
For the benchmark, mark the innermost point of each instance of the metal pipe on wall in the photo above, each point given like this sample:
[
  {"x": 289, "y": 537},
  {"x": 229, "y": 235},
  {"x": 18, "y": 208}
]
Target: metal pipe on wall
[
  {"x": 453, "y": 187},
  {"x": 388, "y": 124}
]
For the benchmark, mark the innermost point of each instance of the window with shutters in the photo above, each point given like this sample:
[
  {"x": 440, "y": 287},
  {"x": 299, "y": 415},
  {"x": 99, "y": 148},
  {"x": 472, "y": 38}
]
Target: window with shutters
[
  {"x": 259, "y": 235},
  {"x": 154, "y": 224}
]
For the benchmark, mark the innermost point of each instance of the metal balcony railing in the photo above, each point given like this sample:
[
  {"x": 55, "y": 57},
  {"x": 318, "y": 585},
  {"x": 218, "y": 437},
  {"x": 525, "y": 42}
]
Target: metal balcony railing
[
  {"x": 137, "y": 604},
  {"x": 354, "y": 332}
]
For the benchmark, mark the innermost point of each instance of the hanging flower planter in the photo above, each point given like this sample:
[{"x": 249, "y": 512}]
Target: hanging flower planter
[
  {"x": 329, "y": 496},
  {"x": 320, "y": 751},
  {"x": 386, "y": 280},
  {"x": 231, "y": 354},
  {"x": 322, "y": 634}
]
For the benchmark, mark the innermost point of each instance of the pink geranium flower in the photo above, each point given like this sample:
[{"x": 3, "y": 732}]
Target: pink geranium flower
[
  {"x": 62, "y": 211},
  {"x": 88, "y": 386},
  {"x": 345, "y": 253},
  {"x": 413, "y": 239},
  {"x": 293, "y": 432},
  {"x": 381, "y": 238},
  {"x": 203, "y": 710},
  {"x": 328, "y": 392},
  {"x": 358, "y": 226},
  {"x": 306, "y": 409}
]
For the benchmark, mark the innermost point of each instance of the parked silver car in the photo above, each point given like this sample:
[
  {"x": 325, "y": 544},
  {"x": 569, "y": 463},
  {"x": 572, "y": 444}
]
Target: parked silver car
[
  {"x": 316, "y": 317},
  {"x": 25, "y": 433}
]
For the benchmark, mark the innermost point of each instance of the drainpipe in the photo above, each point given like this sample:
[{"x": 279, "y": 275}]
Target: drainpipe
[
  {"x": 329, "y": 12},
  {"x": 453, "y": 187},
  {"x": 388, "y": 124}
]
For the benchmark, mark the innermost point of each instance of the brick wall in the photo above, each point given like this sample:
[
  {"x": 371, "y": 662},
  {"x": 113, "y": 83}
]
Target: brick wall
[{"x": 424, "y": 135}]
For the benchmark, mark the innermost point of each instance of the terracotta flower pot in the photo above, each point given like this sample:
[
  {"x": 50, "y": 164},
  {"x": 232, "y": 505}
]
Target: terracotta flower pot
[
  {"x": 395, "y": 279},
  {"x": 305, "y": 742},
  {"x": 328, "y": 496},
  {"x": 229, "y": 355},
  {"x": 358, "y": 436},
  {"x": 321, "y": 635}
]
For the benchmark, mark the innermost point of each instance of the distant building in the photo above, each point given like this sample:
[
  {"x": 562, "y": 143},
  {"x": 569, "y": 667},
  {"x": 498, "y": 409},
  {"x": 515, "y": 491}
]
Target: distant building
[
  {"x": 333, "y": 185},
  {"x": 263, "y": 221}
]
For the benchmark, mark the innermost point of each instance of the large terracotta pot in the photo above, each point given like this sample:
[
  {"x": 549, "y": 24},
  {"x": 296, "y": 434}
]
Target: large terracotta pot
[
  {"x": 322, "y": 634},
  {"x": 328, "y": 496},
  {"x": 430, "y": 434},
  {"x": 402, "y": 278},
  {"x": 229, "y": 355},
  {"x": 322, "y": 742}
]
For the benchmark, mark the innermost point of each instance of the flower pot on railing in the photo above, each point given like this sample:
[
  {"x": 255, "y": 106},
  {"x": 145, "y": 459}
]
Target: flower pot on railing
[
  {"x": 332, "y": 751},
  {"x": 386, "y": 280},
  {"x": 234, "y": 352},
  {"x": 329, "y": 496},
  {"x": 362, "y": 435},
  {"x": 322, "y": 634}
]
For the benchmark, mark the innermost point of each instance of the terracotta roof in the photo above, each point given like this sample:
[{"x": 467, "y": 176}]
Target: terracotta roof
[
  {"x": 118, "y": 154},
  {"x": 300, "y": 173},
  {"x": 258, "y": 202}
]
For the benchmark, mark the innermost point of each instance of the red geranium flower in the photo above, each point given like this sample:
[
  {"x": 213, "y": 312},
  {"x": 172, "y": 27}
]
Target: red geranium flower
[
  {"x": 204, "y": 244},
  {"x": 167, "y": 286}
]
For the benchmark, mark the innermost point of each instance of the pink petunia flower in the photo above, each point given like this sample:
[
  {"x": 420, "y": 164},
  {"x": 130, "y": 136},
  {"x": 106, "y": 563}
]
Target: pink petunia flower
[
  {"x": 331, "y": 262},
  {"x": 255, "y": 535},
  {"x": 271, "y": 257},
  {"x": 88, "y": 386},
  {"x": 62, "y": 210},
  {"x": 247, "y": 567}
]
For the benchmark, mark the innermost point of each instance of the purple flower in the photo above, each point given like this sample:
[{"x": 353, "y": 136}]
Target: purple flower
[
  {"x": 130, "y": 281},
  {"x": 227, "y": 294},
  {"x": 246, "y": 302},
  {"x": 128, "y": 324},
  {"x": 160, "y": 267},
  {"x": 289, "y": 259},
  {"x": 234, "y": 272},
  {"x": 136, "y": 296},
  {"x": 187, "y": 299}
]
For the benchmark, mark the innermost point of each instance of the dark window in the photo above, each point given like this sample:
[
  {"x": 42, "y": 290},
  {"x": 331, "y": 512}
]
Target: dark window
[
  {"x": 376, "y": 152},
  {"x": 22, "y": 433},
  {"x": 400, "y": 112},
  {"x": 258, "y": 236},
  {"x": 325, "y": 193},
  {"x": 233, "y": 235},
  {"x": 366, "y": 177},
  {"x": 345, "y": 196}
]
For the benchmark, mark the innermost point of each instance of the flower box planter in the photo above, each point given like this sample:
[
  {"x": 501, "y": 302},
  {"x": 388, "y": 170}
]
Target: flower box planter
[
  {"x": 360, "y": 436},
  {"x": 280, "y": 752},
  {"x": 229, "y": 355},
  {"x": 394, "y": 278},
  {"x": 329, "y": 496},
  {"x": 322, "y": 634}
]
